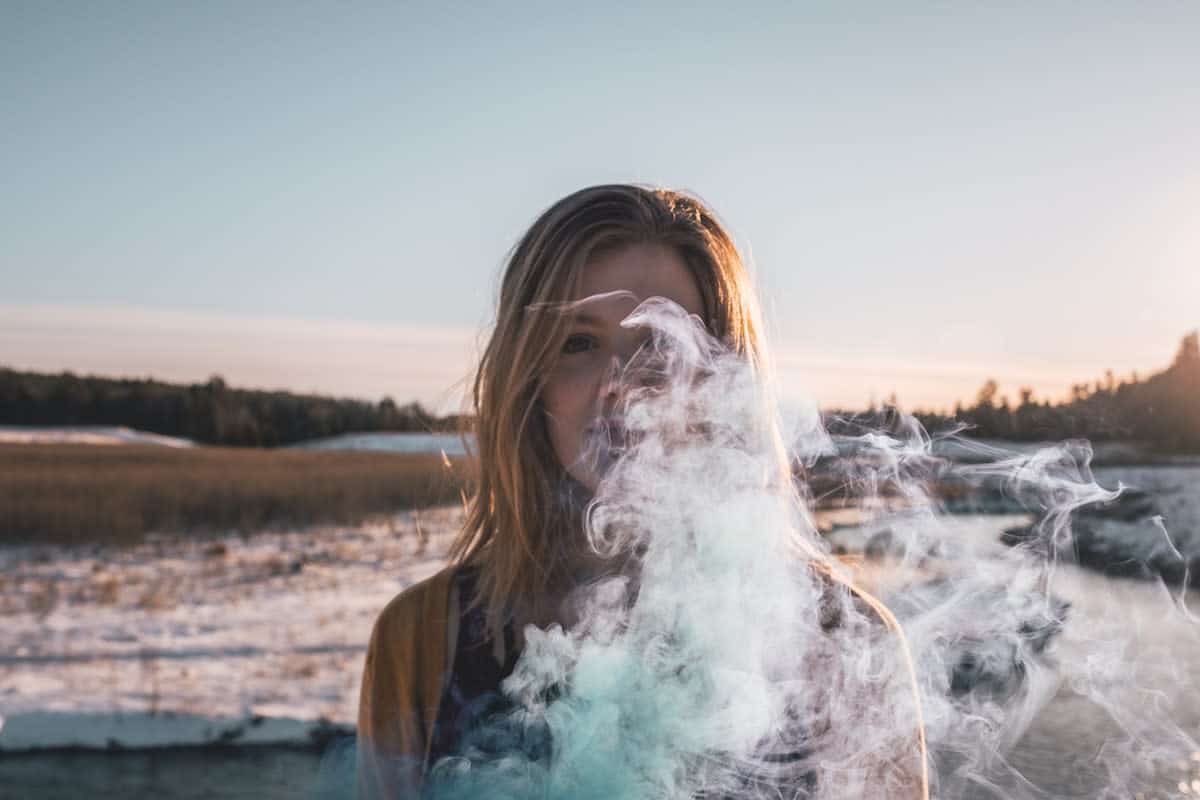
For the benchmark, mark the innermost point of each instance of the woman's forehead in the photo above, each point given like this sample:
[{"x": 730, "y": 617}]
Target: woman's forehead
[{"x": 615, "y": 281}]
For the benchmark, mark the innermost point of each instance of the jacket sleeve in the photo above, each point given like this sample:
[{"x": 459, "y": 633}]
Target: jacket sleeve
[{"x": 402, "y": 683}]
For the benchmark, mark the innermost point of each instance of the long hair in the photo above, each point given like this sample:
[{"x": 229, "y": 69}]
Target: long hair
[{"x": 518, "y": 528}]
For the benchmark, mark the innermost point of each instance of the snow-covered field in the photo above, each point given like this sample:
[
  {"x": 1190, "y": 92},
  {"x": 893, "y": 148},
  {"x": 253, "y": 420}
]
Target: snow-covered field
[
  {"x": 84, "y": 434},
  {"x": 195, "y": 642},
  {"x": 261, "y": 640}
]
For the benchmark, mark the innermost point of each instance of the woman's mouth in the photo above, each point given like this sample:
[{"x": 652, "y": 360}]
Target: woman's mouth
[
  {"x": 605, "y": 441},
  {"x": 609, "y": 432}
]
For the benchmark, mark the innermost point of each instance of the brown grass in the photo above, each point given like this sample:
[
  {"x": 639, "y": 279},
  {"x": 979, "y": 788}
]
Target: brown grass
[
  {"x": 43, "y": 598},
  {"x": 82, "y": 494},
  {"x": 156, "y": 596}
]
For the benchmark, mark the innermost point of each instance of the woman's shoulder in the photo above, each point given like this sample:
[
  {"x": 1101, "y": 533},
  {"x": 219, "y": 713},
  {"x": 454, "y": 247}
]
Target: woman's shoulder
[
  {"x": 403, "y": 677},
  {"x": 417, "y": 606}
]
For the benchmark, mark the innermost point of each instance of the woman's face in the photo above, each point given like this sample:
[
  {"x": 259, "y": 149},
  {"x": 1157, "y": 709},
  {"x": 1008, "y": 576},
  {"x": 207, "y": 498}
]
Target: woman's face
[{"x": 584, "y": 392}]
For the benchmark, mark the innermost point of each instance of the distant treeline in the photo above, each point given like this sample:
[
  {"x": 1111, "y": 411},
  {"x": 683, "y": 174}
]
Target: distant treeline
[
  {"x": 1162, "y": 410},
  {"x": 210, "y": 413}
]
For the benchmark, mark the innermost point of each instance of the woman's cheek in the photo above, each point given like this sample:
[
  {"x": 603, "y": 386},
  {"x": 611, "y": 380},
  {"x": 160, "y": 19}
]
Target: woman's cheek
[{"x": 561, "y": 418}]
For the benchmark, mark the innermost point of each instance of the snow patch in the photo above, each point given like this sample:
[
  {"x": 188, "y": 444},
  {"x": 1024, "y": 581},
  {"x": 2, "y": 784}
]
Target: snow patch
[{"x": 109, "y": 435}]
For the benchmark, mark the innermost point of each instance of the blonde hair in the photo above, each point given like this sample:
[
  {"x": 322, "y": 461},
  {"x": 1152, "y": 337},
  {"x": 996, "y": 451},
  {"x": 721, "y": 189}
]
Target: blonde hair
[
  {"x": 518, "y": 527},
  {"x": 517, "y": 514}
]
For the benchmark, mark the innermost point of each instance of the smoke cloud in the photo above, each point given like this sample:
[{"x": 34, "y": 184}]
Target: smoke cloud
[{"x": 728, "y": 652}]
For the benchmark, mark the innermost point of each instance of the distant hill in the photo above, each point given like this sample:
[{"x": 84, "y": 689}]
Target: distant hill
[
  {"x": 207, "y": 413},
  {"x": 1162, "y": 411}
]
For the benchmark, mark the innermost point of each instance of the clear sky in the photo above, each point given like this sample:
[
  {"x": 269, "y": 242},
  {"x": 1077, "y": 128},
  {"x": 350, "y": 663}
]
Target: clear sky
[{"x": 319, "y": 195}]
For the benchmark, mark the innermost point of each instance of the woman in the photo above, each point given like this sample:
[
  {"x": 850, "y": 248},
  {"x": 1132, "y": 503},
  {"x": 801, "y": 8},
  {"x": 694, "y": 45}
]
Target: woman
[{"x": 546, "y": 389}]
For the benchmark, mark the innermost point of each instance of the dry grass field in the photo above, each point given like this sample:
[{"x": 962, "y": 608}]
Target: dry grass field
[{"x": 82, "y": 494}]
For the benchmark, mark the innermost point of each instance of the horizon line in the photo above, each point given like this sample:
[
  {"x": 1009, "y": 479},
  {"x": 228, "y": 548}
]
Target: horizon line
[{"x": 432, "y": 363}]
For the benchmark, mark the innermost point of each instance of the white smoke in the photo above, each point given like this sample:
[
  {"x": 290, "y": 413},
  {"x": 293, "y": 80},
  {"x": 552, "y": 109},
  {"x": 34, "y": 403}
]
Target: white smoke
[{"x": 726, "y": 652}]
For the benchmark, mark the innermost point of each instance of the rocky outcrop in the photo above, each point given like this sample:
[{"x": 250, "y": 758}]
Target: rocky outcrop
[{"x": 1125, "y": 537}]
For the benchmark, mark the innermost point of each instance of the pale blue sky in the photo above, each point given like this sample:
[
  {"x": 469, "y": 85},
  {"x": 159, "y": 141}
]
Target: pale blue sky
[{"x": 930, "y": 194}]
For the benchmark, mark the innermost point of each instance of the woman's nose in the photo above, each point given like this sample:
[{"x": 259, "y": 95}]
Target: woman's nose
[
  {"x": 614, "y": 376},
  {"x": 628, "y": 368}
]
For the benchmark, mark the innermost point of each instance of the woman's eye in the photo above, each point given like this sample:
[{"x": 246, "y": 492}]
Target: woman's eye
[{"x": 578, "y": 343}]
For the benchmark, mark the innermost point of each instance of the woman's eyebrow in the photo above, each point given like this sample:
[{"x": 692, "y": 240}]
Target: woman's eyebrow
[{"x": 584, "y": 318}]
